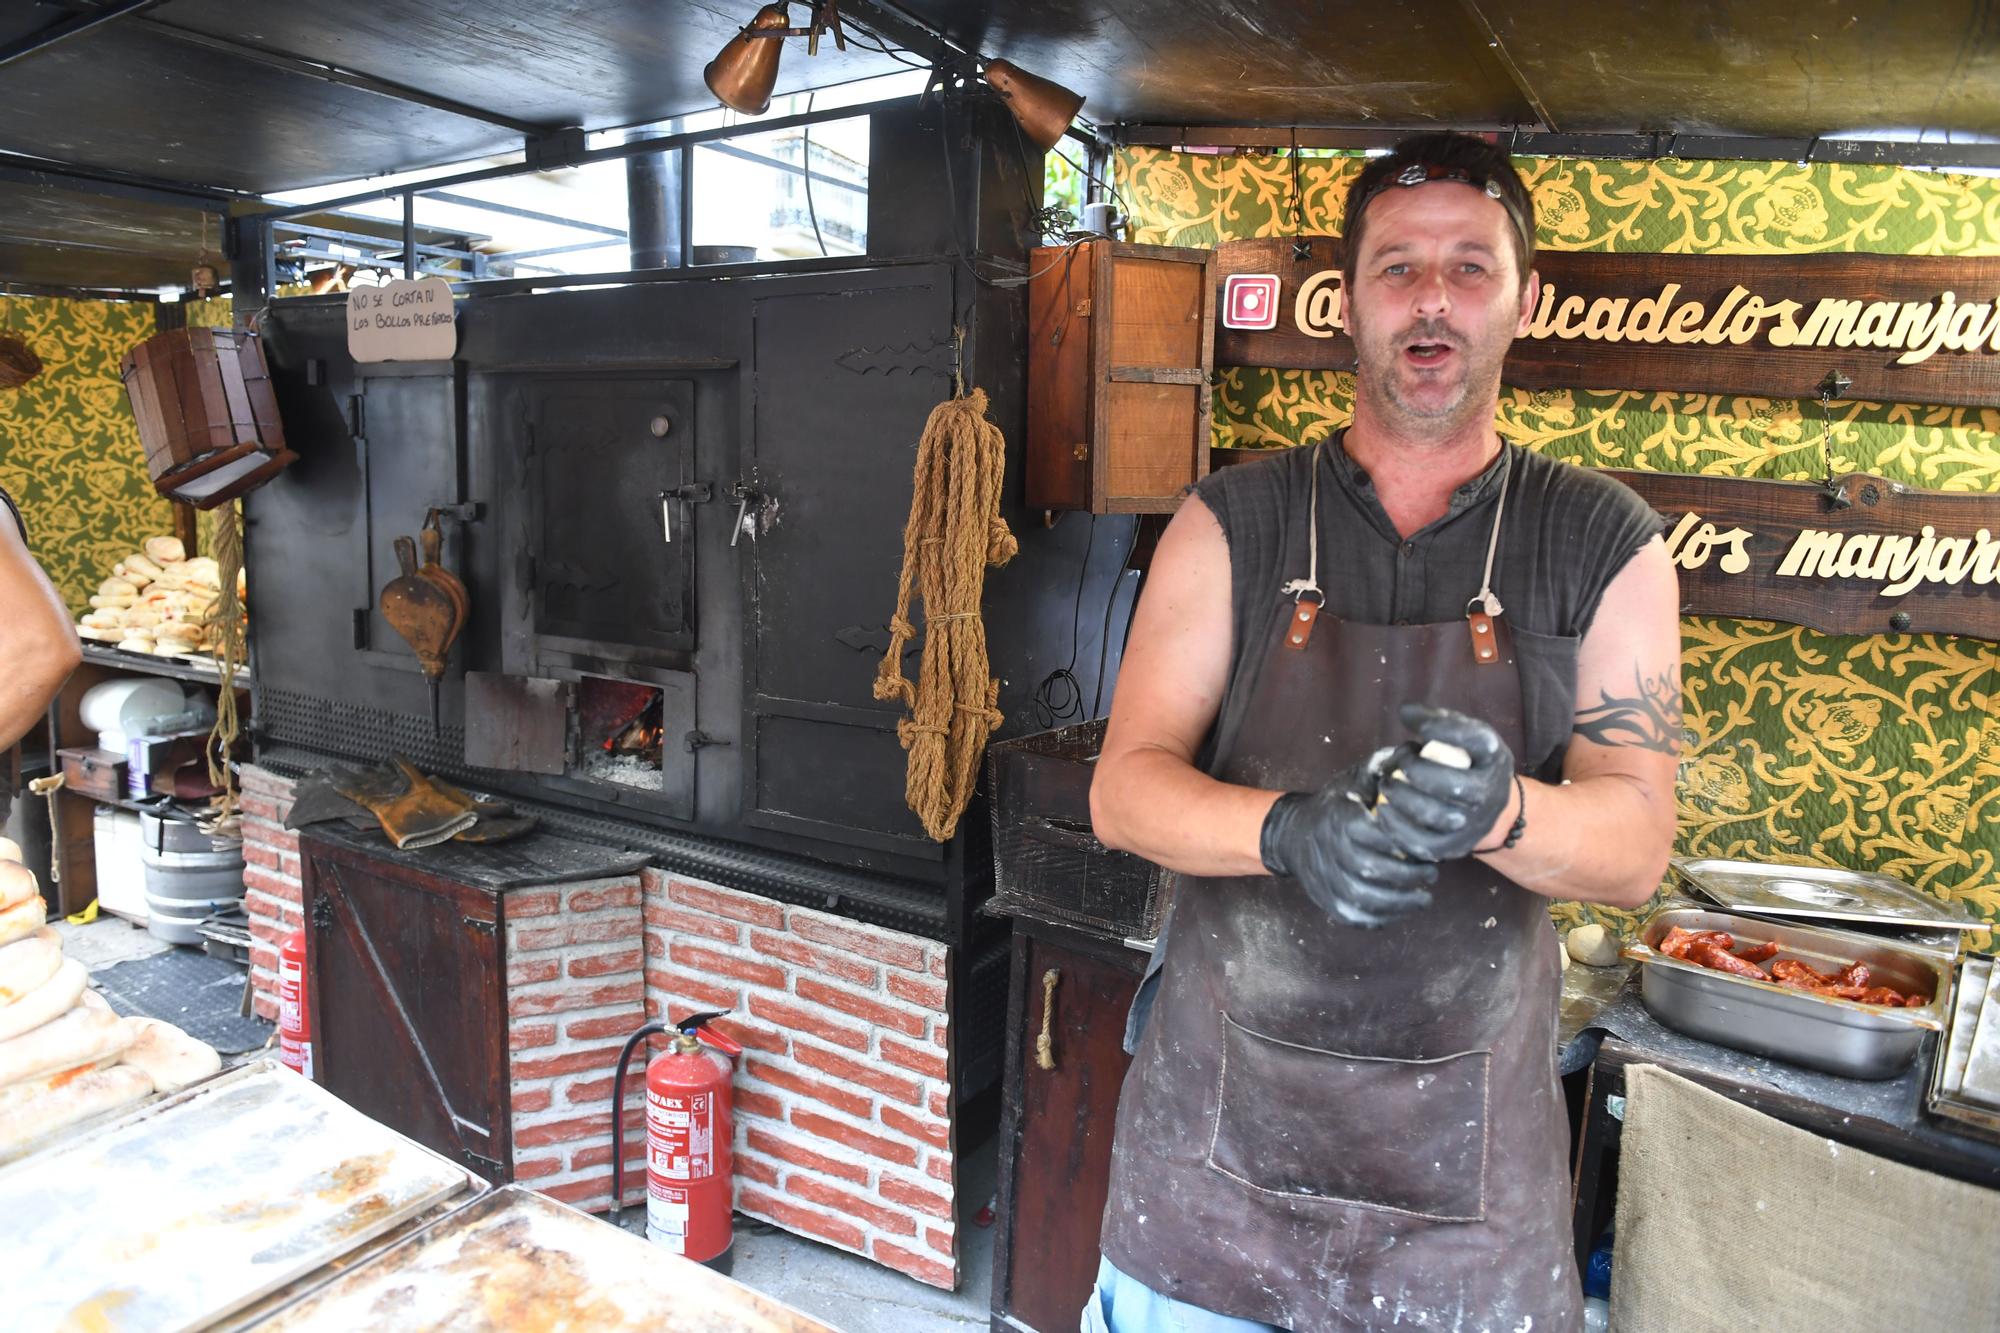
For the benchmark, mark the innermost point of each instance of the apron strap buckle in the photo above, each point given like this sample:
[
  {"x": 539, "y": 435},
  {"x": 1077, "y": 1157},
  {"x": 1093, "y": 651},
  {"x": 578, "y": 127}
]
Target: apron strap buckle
[
  {"x": 1485, "y": 643},
  {"x": 1305, "y": 612}
]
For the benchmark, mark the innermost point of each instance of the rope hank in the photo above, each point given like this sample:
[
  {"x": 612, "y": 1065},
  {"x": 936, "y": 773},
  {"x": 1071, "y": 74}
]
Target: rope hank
[
  {"x": 954, "y": 532},
  {"x": 228, "y": 620},
  {"x": 1045, "y": 1044}
]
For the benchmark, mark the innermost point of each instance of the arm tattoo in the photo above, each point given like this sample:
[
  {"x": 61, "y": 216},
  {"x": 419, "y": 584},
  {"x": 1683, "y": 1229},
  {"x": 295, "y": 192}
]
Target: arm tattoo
[{"x": 1651, "y": 719}]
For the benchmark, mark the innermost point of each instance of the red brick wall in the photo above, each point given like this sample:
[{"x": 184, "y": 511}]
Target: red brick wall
[
  {"x": 270, "y": 881},
  {"x": 575, "y": 992},
  {"x": 844, "y": 1114},
  {"x": 843, "y": 1095}
]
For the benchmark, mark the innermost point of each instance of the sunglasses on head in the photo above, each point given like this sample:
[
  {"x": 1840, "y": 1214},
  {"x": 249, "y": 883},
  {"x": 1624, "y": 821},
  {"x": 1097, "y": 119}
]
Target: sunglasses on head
[{"x": 1422, "y": 173}]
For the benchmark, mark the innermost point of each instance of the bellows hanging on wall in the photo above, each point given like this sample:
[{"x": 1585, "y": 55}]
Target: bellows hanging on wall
[{"x": 206, "y": 414}]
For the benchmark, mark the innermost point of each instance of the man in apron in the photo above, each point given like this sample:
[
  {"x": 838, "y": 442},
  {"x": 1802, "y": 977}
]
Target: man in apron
[{"x": 1342, "y": 1111}]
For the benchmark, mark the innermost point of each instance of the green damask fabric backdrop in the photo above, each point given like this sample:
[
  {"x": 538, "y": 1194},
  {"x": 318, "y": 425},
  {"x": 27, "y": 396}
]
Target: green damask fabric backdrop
[
  {"x": 69, "y": 449},
  {"x": 1878, "y": 752}
]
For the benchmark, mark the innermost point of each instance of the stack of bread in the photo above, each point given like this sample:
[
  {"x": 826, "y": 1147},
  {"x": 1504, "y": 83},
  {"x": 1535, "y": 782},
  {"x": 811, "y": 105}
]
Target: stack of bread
[
  {"x": 64, "y": 1055},
  {"x": 157, "y": 601}
]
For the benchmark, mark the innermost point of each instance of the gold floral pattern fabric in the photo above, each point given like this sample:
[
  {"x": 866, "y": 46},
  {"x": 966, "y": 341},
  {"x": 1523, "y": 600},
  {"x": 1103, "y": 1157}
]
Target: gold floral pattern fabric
[
  {"x": 69, "y": 448},
  {"x": 1875, "y": 752}
]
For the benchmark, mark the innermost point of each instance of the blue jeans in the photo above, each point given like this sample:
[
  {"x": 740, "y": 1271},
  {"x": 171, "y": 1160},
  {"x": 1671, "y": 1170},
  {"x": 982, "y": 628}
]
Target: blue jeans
[{"x": 1123, "y": 1304}]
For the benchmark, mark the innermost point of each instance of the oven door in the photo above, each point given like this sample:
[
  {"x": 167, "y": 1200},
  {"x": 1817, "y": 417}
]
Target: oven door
[{"x": 611, "y": 511}]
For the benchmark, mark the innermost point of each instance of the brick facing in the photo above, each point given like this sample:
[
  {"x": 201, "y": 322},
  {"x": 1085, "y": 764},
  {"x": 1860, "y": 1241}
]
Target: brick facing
[
  {"x": 755, "y": 1169},
  {"x": 882, "y": 946},
  {"x": 610, "y": 928},
  {"x": 737, "y": 906},
  {"x": 868, "y": 1075},
  {"x": 707, "y": 992},
  {"x": 528, "y": 1100},
  {"x": 800, "y": 1019},
  {"x": 860, "y": 1140},
  {"x": 563, "y": 1131},
  {"x": 850, "y": 1204},
  {"x": 872, "y": 1011},
  {"x": 934, "y": 1132},
  {"x": 918, "y": 1266},
  {"x": 597, "y": 1058},
  {"x": 604, "y": 964},
  {"x": 599, "y": 1089},
  {"x": 609, "y": 1025},
  {"x": 525, "y": 1036},
  {"x": 902, "y": 1192},
  {"x": 926, "y": 1062},
  {"x": 772, "y": 1145},
  {"x": 596, "y": 898},
  {"x": 794, "y": 1218},
  {"x": 853, "y": 1103},
  {"x": 541, "y": 902},
  {"x": 928, "y": 992},
  {"x": 570, "y": 995},
  {"x": 531, "y": 970},
  {"x": 800, "y": 954},
  {"x": 939, "y": 1240},
  {"x": 693, "y": 923},
  {"x": 698, "y": 959}
]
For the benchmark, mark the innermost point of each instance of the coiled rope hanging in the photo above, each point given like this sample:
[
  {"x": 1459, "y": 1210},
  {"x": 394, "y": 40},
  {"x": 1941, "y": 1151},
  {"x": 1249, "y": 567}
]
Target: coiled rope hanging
[
  {"x": 228, "y": 620},
  {"x": 954, "y": 532}
]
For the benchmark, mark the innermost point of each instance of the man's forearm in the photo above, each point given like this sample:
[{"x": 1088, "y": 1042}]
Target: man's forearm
[
  {"x": 1604, "y": 839},
  {"x": 25, "y": 695},
  {"x": 1156, "y": 805}
]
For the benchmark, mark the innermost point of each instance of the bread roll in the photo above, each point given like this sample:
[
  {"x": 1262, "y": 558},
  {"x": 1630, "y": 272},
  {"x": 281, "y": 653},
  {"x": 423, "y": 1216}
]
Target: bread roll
[
  {"x": 29, "y": 1089},
  {"x": 100, "y": 634},
  {"x": 84, "y": 1035},
  {"x": 1592, "y": 945},
  {"x": 170, "y": 1057},
  {"x": 102, "y": 619},
  {"x": 163, "y": 550},
  {"x": 139, "y": 567},
  {"x": 27, "y": 963},
  {"x": 139, "y": 617},
  {"x": 170, "y": 577},
  {"x": 137, "y": 646},
  {"x": 120, "y": 602},
  {"x": 52, "y": 999},
  {"x": 117, "y": 588},
  {"x": 10, "y": 850},
  {"x": 17, "y": 885},
  {"x": 93, "y": 1093}
]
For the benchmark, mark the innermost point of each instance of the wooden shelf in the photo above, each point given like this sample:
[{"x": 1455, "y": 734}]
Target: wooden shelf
[{"x": 201, "y": 670}]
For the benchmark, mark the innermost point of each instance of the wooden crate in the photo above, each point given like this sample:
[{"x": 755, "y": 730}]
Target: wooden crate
[
  {"x": 1121, "y": 344},
  {"x": 206, "y": 414}
]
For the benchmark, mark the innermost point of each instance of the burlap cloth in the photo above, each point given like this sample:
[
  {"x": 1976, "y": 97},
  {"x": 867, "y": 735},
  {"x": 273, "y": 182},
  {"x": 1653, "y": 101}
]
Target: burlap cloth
[{"x": 1732, "y": 1221}]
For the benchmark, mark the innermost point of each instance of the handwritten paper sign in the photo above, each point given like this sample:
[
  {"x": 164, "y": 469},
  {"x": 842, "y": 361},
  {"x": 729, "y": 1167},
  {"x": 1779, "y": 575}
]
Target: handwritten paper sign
[{"x": 404, "y": 320}]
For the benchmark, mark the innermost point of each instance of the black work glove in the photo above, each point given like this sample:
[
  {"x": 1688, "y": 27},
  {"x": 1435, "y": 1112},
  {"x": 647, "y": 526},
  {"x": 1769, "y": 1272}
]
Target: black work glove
[
  {"x": 1330, "y": 842},
  {"x": 1438, "y": 812}
]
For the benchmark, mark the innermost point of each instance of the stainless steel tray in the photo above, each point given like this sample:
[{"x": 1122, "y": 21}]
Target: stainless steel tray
[
  {"x": 1774, "y": 888},
  {"x": 1819, "y": 1031}
]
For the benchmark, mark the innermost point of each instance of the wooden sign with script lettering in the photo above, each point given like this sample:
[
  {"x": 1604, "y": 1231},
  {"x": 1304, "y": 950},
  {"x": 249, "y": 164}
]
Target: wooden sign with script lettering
[
  {"x": 1907, "y": 329},
  {"x": 404, "y": 320},
  {"x": 1894, "y": 559}
]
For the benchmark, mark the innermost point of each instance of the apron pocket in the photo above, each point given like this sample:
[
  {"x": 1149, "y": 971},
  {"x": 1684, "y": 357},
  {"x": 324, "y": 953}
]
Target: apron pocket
[{"x": 1404, "y": 1136}]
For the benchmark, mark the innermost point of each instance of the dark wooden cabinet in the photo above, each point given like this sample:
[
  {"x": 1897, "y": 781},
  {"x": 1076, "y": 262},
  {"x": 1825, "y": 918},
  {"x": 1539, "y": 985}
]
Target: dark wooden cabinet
[
  {"x": 1056, "y": 1124},
  {"x": 406, "y": 975}
]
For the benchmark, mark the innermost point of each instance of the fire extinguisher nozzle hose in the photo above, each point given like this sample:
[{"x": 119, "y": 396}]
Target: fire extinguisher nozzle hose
[{"x": 654, "y": 1028}]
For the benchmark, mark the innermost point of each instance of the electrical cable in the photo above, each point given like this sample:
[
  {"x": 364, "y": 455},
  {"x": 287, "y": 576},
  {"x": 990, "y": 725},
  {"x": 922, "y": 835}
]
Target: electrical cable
[
  {"x": 1051, "y": 707},
  {"x": 1104, "y": 633},
  {"x": 1089, "y": 175},
  {"x": 806, "y": 157}
]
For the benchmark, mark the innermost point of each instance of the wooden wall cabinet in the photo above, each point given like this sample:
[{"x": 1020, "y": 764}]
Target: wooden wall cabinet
[
  {"x": 1056, "y": 1124},
  {"x": 1121, "y": 344}
]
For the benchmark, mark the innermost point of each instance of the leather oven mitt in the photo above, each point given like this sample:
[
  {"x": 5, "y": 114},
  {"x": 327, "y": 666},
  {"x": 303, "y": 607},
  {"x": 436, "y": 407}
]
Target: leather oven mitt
[
  {"x": 412, "y": 811},
  {"x": 497, "y": 820}
]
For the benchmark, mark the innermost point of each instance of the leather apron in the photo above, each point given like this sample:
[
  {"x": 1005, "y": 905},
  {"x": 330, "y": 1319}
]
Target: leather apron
[{"x": 1325, "y": 1127}]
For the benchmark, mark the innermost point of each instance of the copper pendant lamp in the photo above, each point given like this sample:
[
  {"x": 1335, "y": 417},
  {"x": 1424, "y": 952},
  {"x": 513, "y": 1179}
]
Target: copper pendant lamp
[
  {"x": 745, "y": 71},
  {"x": 1043, "y": 107}
]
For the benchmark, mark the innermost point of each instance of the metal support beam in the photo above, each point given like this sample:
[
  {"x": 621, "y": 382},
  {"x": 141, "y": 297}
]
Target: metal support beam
[
  {"x": 609, "y": 153},
  {"x": 765, "y": 160},
  {"x": 1693, "y": 147},
  {"x": 1514, "y": 71},
  {"x": 512, "y": 211},
  {"x": 410, "y": 260},
  {"x": 43, "y": 174},
  {"x": 317, "y": 69},
  {"x": 64, "y": 29}
]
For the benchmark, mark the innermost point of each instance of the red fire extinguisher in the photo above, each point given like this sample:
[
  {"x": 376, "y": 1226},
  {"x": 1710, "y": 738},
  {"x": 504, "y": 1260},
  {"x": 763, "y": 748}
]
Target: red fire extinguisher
[
  {"x": 688, "y": 1136},
  {"x": 294, "y": 1021}
]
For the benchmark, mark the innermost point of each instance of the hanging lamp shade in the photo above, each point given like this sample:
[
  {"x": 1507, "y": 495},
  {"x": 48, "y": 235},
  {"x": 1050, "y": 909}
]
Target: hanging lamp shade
[
  {"x": 1043, "y": 108},
  {"x": 745, "y": 71}
]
